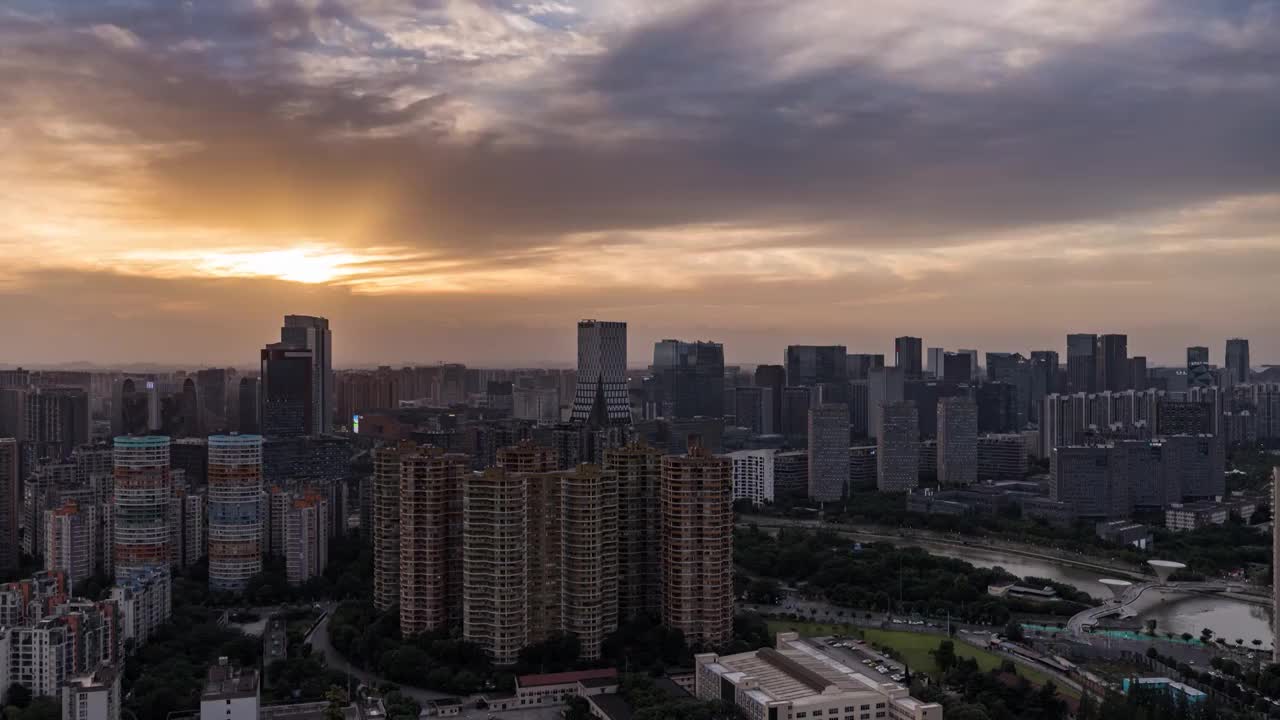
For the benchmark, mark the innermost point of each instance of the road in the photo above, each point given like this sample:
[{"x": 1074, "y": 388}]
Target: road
[
  {"x": 319, "y": 640},
  {"x": 924, "y": 538}
]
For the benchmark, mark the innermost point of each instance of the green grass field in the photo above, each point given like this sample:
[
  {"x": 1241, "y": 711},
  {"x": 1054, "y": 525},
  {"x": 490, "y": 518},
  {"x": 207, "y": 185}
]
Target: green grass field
[{"x": 912, "y": 648}]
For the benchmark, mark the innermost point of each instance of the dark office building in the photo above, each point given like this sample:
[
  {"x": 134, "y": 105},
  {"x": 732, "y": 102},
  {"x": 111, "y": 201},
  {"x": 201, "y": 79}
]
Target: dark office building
[
  {"x": 860, "y": 365},
  {"x": 690, "y": 378},
  {"x": 191, "y": 455},
  {"x": 1198, "y": 372},
  {"x": 749, "y": 409},
  {"x": 997, "y": 408},
  {"x": 290, "y": 461},
  {"x": 795, "y": 414},
  {"x": 1082, "y": 366},
  {"x": 1184, "y": 418},
  {"x": 957, "y": 367},
  {"x": 809, "y": 365},
  {"x": 1138, "y": 373},
  {"x": 771, "y": 379},
  {"x": 1015, "y": 370},
  {"x": 1112, "y": 357},
  {"x": 1044, "y": 380},
  {"x": 1238, "y": 360},
  {"x": 249, "y": 406},
  {"x": 211, "y": 384},
  {"x": 130, "y": 407},
  {"x": 908, "y": 353},
  {"x": 286, "y": 392},
  {"x": 925, "y": 394}
]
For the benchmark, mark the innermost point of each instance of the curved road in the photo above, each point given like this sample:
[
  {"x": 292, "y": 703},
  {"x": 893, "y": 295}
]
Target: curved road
[{"x": 319, "y": 640}]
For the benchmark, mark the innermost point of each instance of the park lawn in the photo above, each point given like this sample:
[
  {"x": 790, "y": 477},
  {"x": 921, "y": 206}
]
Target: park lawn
[{"x": 808, "y": 628}]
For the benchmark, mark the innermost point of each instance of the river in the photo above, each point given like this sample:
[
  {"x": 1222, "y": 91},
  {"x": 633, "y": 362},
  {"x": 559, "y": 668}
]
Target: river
[{"x": 1228, "y": 618}]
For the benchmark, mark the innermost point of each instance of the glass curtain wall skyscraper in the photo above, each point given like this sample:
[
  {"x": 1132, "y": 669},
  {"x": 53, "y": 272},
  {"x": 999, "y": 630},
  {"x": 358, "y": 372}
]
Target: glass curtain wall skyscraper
[{"x": 600, "y": 398}]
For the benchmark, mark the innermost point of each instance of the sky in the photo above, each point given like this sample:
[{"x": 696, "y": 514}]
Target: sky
[{"x": 462, "y": 181}]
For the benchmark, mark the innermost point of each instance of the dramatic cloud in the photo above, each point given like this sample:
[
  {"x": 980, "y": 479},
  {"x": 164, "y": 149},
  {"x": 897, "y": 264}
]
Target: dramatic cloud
[{"x": 447, "y": 173}]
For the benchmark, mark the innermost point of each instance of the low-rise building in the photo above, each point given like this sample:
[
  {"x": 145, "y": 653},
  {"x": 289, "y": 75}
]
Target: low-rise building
[
  {"x": 753, "y": 475},
  {"x": 1124, "y": 532},
  {"x": 798, "y": 679},
  {"x": 230, "y": 693},
  {"x": 550, "y": 689},
  {"x": 1196, "y": 515}
]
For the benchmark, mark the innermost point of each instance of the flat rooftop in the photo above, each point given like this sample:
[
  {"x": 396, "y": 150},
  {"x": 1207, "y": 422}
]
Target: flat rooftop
[
  {"x": 229, "y": 681},
  {"x": 796, "y": 671}
]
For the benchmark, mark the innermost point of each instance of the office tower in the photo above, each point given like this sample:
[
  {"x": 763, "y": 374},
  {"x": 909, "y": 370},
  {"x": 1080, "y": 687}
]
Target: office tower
[
  {"x": 1138, "y": 373},
  {"x": 589, "y": 554},
  {"x": 809, "y": 365},
  {"x": 973, "y": 363},
  {"x": 750, "y": 410},
  {"x": 494, "y": 566},
  {"x": 795, "y": 413},
  {"x": 1238, "y": 361},
  {"x": 898, "y": 447},
  {"x": 143, "y": 488},
  {"x": 211, "y": 386},
  {"x": 1082, "y": 477},
  {"x": 385, "y": 521},
  {"x": 935, "y": 365},
  {"x": 1112, "y": 362},
  {"x": 1002, "y": 457},
  {"x": 1044, "y": 381},
  {"x": 1198, "y": 464},
  {"x": 638, "y": 469},
  {"x": 691, "y": 378},
  {"x": 997, "y": 407},
  {"x": 10, "y": 506},
  {"x": 431, "y": 540},
  {"x": 306, "y": 537},
  {"x": 1199, "y": 373},
  {"x": 828, "y": 452},
  {"x": 907, "y": 356},
  {"x": 235, "y": 522},
  {"x": 286, "y": 391},
  {"x": 600, "y": 398},
  {"x": 772, "y": 378},
  {"x": 1197, "y": 355},
  {"x": 541, "y": 405},
  {"x": 70, "y": 541},
  {"x": 753, "y": 475},
  {"x": 860, "y": 365},
  {"x": 1082, "y": 366},
  {"x": 697, "y": 546},
  {"x": 249, "y": 406},
  {"x": 957, "y": 441},
  {"x": 957, "y": 367},
  {"x": 885, "y": 385},
  {"x": 313, "y": 334},
  {"x": 191, "y": 456},
  {"x": 1015, "y": 371}
]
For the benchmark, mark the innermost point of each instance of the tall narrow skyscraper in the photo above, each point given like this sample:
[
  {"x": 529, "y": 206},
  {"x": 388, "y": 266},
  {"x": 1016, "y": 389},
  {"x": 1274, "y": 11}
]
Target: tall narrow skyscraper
[
  {"x": 1112, "y": 358},
  {"x": 898, "y": 447},
  {"x": 312, "y": 333},
  {"x": 690, "y": 377},
  {"x": 288, "y": 406},
  {"x": 828, "y": 452},
  {"x": 1238, "y": 360},
  {"x": 1082, "y": 365},
  {"x": 10, "y": 506},
  {"x": 600, "y": 398},
  {"x": 908, "y": 355},
  {"x": 935, "y": 365},
  {"x": 957, "y": 441},
  {"x": 235, "y": 522},
  {"x": 1198, "y": 372}
]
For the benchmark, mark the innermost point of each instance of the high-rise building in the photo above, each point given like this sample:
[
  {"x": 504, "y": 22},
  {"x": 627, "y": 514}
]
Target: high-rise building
[
  {"x": 543, "y": 523},
  {"x": 1044, "y": 380},
  {"x": 772, "y": 378},
  {"x": 494, "y": 566},
  {"x": 1275, "y": 562},
  {"x": 1015, "y": 371},
  {"x": 10, "y": 505},
  {"x": 92, "y": 696},
  {"x": 249, "y": 406},
  {"x": 860, "y": 365},
  {"x": 1238, "y": 360},
  {"x": 70, "y": 541},
  {"x": 697, "y": 546},
  {"x": 1112, "y": 358},
  {"x": 690, "y": 377},
  {"x": 828, "y": 452},
  {"x": 751, "y": 411},
  {"x": 957, "y": 367},
  {"x": 385, "y": 521},
  {"x": 957, "y": 441},
  {"x": 286, "y": 391},
  {"x": 600, "y": 398},
  {"x": 306, "y": 537},
  {"x": 796, "y": 402},
  {"x": 1082, "y": 364},
  {"x": 143, "y": 488},
  {"x": 1083, "y": 478},
  {"x": 431, "y": 540},
  {"x": 589, "y": 556},
  {"x": 1199, "y": 373},
  {"x": 898, "y": 447},
  {"x": 638, "y": 469},
  {"x": 1138, "y": 373},
  {"x": 907, "y": 356},
  {"x": 753, "y": 475},
  {"x": 884, "y": 386},
  {"x": 1002, "y": 457},
  {"x": 810, "y": 365},
  {"x": 211, "y": 387},
  {"x": 235, "y": 522},
  {"x": 313, "y": 334},
  {"x": 935, "y": 365}
]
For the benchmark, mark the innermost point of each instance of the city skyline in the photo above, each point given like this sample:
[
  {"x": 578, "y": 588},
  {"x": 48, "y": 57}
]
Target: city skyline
[{"x": 439, "y": 175}]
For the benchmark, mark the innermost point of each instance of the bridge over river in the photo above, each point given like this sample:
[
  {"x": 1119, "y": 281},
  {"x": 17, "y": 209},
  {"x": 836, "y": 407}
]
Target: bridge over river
[{"x": 1127, "y": 594}]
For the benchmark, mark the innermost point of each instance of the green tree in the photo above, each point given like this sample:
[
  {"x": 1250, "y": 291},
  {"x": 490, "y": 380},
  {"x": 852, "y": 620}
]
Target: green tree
[
  {"x": 944, "y": 656},
  {"x": 337, "y": 703},
  {"x": 19, "y": 696}
]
